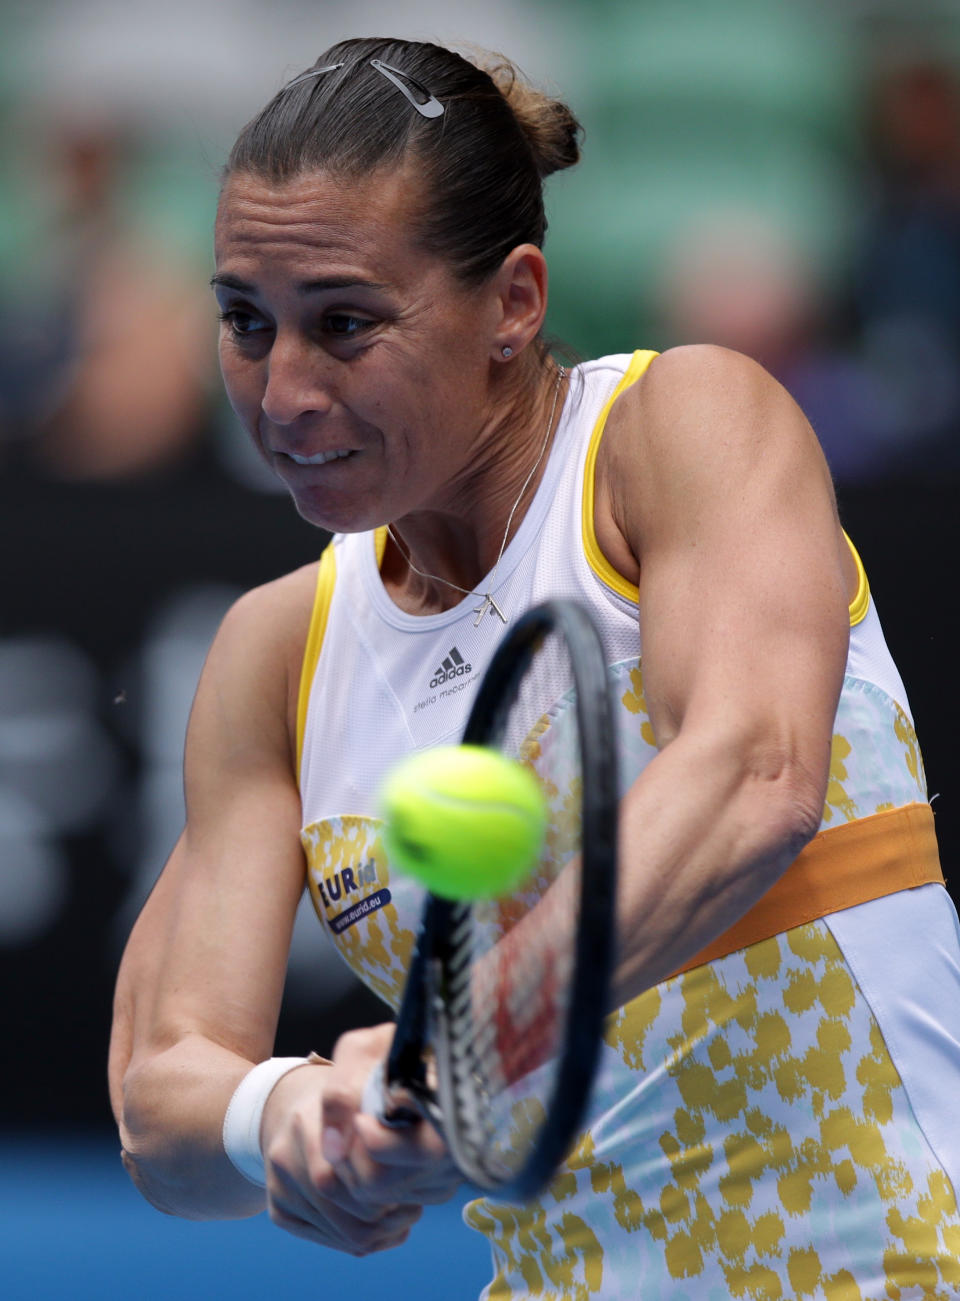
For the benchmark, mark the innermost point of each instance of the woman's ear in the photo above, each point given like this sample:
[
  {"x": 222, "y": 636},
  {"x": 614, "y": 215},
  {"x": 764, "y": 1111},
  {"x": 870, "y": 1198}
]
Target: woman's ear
[{"x": 521, "y": 289}]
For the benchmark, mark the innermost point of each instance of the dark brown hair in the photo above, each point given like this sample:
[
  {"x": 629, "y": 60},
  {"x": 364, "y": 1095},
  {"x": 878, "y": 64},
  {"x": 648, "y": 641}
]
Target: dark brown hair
[{"x": 483, "y": 161}]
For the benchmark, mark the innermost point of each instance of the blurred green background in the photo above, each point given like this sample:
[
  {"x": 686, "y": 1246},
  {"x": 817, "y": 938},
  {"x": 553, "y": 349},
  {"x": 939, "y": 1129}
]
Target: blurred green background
[{"x": 782, "y": 178}]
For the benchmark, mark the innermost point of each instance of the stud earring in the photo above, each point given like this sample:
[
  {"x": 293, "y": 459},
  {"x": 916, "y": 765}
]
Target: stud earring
[{"x": 506, "y": 351}]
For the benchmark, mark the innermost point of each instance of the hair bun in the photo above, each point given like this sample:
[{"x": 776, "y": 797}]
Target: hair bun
[{"x": 550, "y": 127}]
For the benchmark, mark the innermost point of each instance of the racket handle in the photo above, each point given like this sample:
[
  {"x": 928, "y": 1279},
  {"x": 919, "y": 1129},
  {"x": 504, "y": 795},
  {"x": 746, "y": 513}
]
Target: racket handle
[{"x": 377, "y": 1101}]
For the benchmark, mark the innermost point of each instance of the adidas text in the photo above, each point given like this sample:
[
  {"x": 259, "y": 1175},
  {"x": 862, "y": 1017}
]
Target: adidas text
[{"x": 452, "y": 667}]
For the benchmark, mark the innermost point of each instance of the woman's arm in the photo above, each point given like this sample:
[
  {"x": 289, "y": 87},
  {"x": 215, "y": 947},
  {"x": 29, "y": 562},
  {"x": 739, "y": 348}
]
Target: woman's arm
[
  {"x": 199, "y": 988},
  {"x": 714, "y": 498}
]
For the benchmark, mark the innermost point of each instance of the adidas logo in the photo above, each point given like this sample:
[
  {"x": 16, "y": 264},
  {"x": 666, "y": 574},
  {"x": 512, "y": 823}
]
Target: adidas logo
[{"x": 452, "y": 667}]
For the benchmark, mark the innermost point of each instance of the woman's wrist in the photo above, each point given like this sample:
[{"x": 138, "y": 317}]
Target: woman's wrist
[{"x": 244, "y": 1115}]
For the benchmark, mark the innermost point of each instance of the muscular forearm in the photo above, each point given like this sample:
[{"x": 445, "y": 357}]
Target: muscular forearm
[
  {"x": 703, "y": 834},
  {"x": 172, "y": 1105}
]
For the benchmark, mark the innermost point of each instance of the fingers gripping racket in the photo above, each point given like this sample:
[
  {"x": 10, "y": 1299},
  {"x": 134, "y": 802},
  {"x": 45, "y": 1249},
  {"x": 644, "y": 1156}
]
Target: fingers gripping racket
[{"x": 500, "y": 1025}]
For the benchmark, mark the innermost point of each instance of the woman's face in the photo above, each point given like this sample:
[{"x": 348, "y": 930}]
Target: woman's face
[{"x": 356, "y": 360}]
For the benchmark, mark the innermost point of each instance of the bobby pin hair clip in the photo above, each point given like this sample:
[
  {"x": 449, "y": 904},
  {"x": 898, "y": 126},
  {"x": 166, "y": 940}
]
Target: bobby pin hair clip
[{"x": 427, "y": 105}]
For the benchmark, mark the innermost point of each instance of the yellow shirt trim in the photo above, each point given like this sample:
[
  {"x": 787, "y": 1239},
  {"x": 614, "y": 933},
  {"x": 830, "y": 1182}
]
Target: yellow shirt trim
[
  {"x": 323, "y": 595},
  {"x": 861, "y": 600},
  {"x": 599, "y": 563},
  {"x": 380, "y": 543}
]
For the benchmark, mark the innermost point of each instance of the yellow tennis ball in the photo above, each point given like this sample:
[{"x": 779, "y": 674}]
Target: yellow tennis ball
[{"x": 465, "y": 821}]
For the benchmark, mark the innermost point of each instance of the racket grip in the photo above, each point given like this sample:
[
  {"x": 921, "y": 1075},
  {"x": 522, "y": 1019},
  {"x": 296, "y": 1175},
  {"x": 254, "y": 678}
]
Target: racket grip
[{"x": 377, "y": 1102}]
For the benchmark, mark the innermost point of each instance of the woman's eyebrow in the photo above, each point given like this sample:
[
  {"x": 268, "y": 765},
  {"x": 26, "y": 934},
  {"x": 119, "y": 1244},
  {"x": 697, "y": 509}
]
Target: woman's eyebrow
[{"x": 304, "y": 287}]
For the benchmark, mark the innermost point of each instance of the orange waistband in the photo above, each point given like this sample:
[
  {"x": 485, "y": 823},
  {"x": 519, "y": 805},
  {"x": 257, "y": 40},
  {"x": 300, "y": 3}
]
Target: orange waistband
[{"x": 845, "y": 865}]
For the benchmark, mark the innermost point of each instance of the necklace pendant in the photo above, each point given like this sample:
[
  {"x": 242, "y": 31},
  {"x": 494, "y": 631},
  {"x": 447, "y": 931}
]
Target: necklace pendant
[{"x": 488, "y": 604}]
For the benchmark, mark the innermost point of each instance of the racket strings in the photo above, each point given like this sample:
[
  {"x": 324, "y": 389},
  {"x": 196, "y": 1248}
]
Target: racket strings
[
  {"x": 472, "y": 1042},
  {"x": 511, "y": 967},
  {"x": 519, "y": 1005}
]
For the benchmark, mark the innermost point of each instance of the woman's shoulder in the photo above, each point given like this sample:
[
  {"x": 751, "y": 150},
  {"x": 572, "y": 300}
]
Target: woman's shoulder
[
  {"x": 276, "y": 610},
  {"x": 689, "y": 394},
  {"x": 693, "y": 370},
  {"x": 700, "y": 424},
  {"x": 258, "y": 651}
]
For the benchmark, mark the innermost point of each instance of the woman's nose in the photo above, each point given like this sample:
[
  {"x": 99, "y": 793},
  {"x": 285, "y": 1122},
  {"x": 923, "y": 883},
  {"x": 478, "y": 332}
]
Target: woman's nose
[{"x": 297, "y": 382}]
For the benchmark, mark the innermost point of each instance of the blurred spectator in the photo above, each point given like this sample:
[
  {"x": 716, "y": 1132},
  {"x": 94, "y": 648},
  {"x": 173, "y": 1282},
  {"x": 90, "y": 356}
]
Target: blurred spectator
[
  {"x": 738, "y": 279},
  {"x": 115, "y": 375},
  {"x": 907, "y": 282},
  {"x": 137, "y": 380},
  {"x": 911, "y": 259}
]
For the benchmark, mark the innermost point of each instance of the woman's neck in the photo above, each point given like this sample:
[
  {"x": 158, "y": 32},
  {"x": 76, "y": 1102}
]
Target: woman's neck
[{"x": 437, "y": 555}]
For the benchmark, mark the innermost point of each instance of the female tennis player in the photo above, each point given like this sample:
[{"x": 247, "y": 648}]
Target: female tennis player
[{"x": 771, "y": 1114}]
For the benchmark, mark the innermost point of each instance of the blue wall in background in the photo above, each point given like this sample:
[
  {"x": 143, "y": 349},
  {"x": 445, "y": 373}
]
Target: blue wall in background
[{"x": 72, "y": 1228}]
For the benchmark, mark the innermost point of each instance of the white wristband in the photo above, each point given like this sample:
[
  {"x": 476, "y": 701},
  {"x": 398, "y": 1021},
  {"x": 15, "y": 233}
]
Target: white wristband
[{"x": 241, "y": 1124}]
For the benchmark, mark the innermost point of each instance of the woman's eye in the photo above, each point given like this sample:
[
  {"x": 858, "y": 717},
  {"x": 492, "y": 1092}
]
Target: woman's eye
[
  {"x": 242, "y": 324},
  {"x": 345, "y": 326}
]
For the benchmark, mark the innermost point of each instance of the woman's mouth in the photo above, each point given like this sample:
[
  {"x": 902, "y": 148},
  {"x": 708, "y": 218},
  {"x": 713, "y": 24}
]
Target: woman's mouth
[{"x": 318, "y": 458}]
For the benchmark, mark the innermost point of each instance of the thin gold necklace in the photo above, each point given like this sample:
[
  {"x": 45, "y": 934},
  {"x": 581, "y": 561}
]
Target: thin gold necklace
[{"x": 489, "y": 604}]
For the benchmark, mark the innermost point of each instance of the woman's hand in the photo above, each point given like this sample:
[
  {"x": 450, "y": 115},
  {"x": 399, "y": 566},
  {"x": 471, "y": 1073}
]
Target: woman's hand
[{"x": 336, "y": 1175}]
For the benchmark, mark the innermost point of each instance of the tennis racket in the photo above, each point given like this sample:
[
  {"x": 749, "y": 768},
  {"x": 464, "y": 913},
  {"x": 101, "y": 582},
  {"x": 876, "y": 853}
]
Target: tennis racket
[{"x": 500, "y": 1025}]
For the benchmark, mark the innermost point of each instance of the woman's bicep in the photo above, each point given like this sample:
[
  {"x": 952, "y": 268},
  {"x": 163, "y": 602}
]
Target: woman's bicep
[{"x": 743, "y": 600}]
